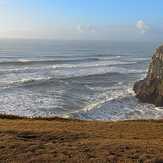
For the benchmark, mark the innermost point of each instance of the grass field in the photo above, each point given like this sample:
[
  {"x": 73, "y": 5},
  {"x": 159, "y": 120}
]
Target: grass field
[{"x": 62, "y": 140}]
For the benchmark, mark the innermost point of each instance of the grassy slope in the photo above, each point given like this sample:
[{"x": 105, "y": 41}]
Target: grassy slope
[{"x": 60, "y": 140}]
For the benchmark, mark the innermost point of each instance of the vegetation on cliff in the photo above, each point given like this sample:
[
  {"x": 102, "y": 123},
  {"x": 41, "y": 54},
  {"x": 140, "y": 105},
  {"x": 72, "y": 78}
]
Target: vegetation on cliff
[{"x": 62, "y": 140}]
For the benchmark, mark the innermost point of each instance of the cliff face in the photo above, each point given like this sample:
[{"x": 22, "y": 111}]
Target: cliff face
[{"x": 151, "y": 88}]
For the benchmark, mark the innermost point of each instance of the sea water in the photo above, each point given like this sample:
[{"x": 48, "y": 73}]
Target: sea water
[{"x": 76, "y": 79}]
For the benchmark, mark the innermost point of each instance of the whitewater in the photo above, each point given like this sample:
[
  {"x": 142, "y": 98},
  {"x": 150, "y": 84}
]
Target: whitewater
[{"x": 90, "y": 80}]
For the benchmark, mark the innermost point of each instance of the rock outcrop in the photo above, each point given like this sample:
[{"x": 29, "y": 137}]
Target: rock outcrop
[{"x": 150, "y": 89}]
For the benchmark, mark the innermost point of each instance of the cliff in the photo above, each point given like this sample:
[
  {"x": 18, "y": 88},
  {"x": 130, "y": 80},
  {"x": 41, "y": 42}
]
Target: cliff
[{"x": 151, "y": 88}]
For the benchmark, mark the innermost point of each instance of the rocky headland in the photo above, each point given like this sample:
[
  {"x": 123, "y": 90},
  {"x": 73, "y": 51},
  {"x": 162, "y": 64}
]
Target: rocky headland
[{"x": 150, "y": 89}]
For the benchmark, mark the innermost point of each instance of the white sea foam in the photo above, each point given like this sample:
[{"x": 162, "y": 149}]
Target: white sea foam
[
  {"x": 120, "y": 105},
  {"x": 71, "y": 81},
  {"x": 93, "y": 64},
  {"x": 24, "y": 60}
]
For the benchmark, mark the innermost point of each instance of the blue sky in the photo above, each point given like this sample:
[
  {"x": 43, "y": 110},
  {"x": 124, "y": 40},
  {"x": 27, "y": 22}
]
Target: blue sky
[{"x": 82, "y": 19}]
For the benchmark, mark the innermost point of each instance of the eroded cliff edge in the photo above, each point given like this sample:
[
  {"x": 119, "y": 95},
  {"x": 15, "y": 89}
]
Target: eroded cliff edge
[{"x": 150, "y": 89}]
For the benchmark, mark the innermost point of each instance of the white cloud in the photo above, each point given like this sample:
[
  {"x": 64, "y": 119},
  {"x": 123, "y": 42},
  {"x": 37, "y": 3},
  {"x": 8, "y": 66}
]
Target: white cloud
[
  {"x": 86, "y": 28},
  {"x": 140, "y": 25}
]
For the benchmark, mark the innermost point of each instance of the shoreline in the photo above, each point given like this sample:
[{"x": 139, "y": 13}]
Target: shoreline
[
  {"x": 70, "y": 140},
  {"x": 57, "y": 118}
]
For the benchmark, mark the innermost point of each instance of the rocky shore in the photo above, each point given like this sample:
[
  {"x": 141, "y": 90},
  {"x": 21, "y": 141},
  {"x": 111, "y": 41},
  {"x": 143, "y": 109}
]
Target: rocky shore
[{"x": 150, "y": 89}]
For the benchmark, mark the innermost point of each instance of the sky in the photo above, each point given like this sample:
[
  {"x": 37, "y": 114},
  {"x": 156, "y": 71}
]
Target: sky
[{"x": 131, "y": 20}]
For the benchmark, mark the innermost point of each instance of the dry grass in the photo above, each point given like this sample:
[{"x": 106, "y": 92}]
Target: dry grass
[{"x": 61, "y": 140}]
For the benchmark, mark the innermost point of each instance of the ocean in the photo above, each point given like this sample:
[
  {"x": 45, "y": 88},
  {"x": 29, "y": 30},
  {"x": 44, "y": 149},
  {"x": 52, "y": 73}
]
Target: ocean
[{"x": 90, "y": 80}]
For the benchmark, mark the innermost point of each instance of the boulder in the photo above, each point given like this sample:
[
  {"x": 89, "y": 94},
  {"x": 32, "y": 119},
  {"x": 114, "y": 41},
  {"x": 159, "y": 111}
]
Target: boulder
[{"x": 150, "y": 89}]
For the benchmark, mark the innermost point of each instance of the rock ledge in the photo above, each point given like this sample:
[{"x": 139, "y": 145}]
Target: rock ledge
[{"x": 150, "y": 89}]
